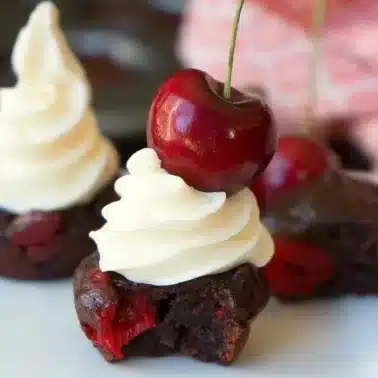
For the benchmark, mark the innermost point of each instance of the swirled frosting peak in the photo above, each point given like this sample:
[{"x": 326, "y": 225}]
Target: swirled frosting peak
[
  {"x": 52, "y": 154},
  {"x": 163, "y": 232}
]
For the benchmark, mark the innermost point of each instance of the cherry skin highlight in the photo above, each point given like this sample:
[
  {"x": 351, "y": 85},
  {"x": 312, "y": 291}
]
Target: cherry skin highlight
[
  {"x": 213, "y": 143},
  {"x": 298, "y": 160}
]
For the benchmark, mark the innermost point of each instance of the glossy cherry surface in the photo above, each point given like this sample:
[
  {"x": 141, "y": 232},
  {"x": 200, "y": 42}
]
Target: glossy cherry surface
[
  {"x": 298, "y": 160},
  {"x": 214, "y": 144}
]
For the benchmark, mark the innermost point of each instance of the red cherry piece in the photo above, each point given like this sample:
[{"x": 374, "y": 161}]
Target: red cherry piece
[
  {"x": 39, "y": 253},
  {"x": 122, "y": 322},
  {"x": 34, "y": 228},
  {"x": 297, "y": 269},
  {"x": 214, "y": 144},
  {"x": 90, "y": 332},
  {"x": 298, "y": 160},
  {"x": 220, "y": 312},
  {"x": 99, "y": 279}
]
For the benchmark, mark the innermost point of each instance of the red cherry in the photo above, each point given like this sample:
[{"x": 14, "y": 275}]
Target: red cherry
[
  {"x": 298, "y": 160},
  {"x": 297, "y": 269},
  {"x": 213, "y": 143}
]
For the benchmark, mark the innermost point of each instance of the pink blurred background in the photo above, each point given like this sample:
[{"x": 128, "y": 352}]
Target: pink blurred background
[
  {"x": 130, "y": 46},
  {"x": 274, "y": 50}
]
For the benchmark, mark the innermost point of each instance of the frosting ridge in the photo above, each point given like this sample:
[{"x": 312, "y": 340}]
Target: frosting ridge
[{"x": 163, "y": 231}]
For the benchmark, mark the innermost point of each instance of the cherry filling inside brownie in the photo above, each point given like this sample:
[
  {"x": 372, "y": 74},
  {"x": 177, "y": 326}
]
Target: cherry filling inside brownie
[
  {"x": 176, "y": 269},
  {"x": 207, "y": 318},
  {"x": 326, "y": 239},
  {"x": 48, "y": 245}
]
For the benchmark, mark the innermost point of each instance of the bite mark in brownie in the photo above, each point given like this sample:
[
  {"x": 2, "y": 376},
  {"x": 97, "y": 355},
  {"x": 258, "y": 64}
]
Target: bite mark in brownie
[
  {"x": 207, "y": 318},
  {"x": 49, "y": 245}
]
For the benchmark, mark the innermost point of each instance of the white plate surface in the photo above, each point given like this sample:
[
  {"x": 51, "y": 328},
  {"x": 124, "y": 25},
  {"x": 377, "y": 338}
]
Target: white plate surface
[{"x": 40, "y": 338}]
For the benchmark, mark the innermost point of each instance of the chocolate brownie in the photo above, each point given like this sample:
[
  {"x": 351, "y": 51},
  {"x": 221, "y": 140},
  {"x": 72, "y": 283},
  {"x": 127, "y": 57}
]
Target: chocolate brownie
[
  {"x": 351, "y": 155},
  {"x": 207, "y": 318},
  {"x": 49, "y": 245},
  {"x": 337, "y": 134},
  {"x": 326, "y": 236}
]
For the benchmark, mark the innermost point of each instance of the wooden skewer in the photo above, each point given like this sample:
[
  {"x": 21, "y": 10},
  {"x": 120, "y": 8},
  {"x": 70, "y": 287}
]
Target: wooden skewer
[{"x": 318, "y": 23}]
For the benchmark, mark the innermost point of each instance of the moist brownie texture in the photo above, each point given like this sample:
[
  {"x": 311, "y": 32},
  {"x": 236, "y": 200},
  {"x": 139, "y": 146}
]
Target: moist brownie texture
[
  {"x": 207, "y": 318},
  {"x": 49, "y": 245},
  {"x": 326, "y": 236}
]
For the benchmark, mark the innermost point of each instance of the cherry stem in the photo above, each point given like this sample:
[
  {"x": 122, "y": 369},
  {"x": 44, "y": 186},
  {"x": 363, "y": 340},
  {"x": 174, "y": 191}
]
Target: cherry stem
[
  {"x": 230, "y": 65},
  {"x": 318, "y": 22}
]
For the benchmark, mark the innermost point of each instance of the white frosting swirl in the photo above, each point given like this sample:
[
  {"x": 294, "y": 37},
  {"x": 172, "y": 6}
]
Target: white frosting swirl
[
  {"x": 162, "y": 231},
  {"x": 52, "y": 154}
]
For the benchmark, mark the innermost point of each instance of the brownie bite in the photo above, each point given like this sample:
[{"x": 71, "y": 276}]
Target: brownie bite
[
  {"x": 176, "y": 269},
  {"x": 207, "y": 318},
  {"x": 326, "y": 239},
  {"x": 57, "y": 170},
  {"x": 49, "y": 245}
]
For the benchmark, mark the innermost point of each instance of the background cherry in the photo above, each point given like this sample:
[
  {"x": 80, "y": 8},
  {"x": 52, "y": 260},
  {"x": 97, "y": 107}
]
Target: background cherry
[
  {"x": 297, "y": 267},
  {"x": 298, "y": 160}
]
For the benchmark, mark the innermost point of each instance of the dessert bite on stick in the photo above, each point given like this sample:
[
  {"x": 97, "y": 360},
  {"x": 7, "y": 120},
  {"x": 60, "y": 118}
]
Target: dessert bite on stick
[
  {"x": 177, "y": 264},
  {"x": 324, "y": 222}
]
